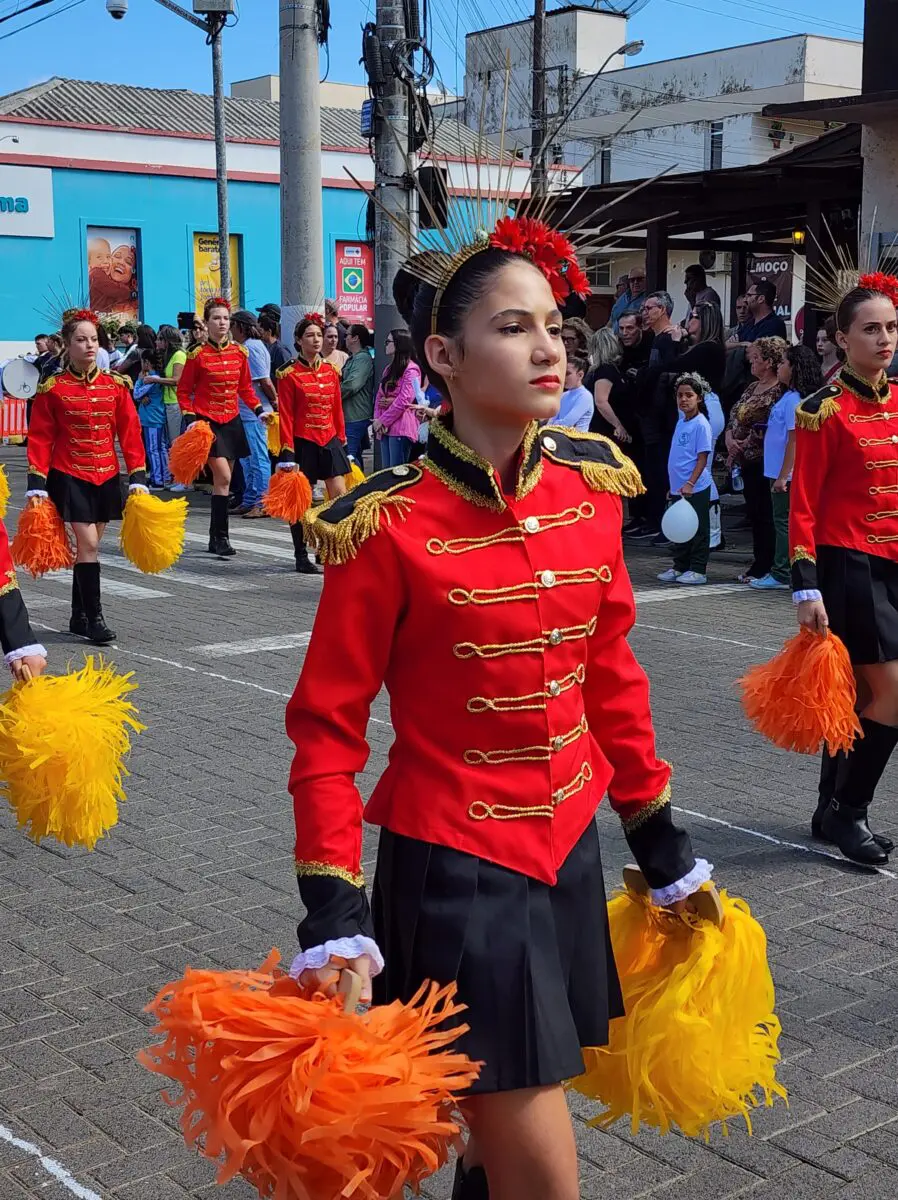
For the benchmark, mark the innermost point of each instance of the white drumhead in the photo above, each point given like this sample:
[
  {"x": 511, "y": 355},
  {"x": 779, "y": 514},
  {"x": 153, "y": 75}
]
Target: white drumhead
[{"x": 20, "y": 378}]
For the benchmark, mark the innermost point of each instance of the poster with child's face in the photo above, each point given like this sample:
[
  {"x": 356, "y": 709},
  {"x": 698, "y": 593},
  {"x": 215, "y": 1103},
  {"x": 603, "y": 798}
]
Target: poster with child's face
[{"x": 112, "y": 272}]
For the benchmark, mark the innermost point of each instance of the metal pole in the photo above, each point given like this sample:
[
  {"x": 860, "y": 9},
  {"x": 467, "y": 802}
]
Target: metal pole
[
  {"x": 538, "y": 178},
  {"x": 302, "y": 222},
  {"x": 215, "y": 26}
]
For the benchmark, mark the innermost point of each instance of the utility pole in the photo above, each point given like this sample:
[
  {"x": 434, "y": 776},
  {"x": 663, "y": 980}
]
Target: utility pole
[
  {"x": 538, "y": 178},
  {"x": 216, "y": 25},
  {"x": 302, "y": 222}
]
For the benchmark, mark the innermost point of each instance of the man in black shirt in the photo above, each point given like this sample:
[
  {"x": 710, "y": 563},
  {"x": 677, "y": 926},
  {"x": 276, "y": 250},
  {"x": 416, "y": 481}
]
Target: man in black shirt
[
  {"x": 271, "y": 336},
  {"x": 761, "y": 299}
]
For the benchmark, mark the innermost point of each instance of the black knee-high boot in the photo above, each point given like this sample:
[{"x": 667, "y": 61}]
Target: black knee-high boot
[
  {"x": 830, "y": 766},
  {"x": 98, "y": 631},
  {"x": 218, "y": 528},
  {"x": 303, "y": 563},
  {"x": 845, "y": 821},
  {"x": 470, "y": 1185},
  {"x": 78, "y": 619}
]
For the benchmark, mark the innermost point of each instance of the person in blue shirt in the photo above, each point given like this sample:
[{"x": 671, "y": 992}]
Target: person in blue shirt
[
  {"x": 689, "y": 473},
  {"x": 151, "y": 410},
  {"x": 577, "y": 406}
]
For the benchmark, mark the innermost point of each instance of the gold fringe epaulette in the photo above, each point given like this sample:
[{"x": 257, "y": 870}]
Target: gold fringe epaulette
[
  {"x": 195, "y": 351},
  {"x": 285, "y": 369},
  {"x": 48, "y": 384},
  {"x": 604, "y": 467},
  {"x": 243, "y": 350},
  {"x": 124, "y": 380},
  {"x": 338, "y": 528},
  {"x": 819, "y": 407}
]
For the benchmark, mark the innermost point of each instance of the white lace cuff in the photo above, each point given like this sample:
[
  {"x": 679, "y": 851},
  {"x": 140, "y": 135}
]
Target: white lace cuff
[
  {"x": 287, "y": 466},
  {"x": 137, "y": 487},
  {"x": 37, "y": 492},
  {"x": 806, "y": 594},
  {"x": 683, "y": 888},
  {"x": 25, "y": 652},
  {"x": 317, "y": 956}
]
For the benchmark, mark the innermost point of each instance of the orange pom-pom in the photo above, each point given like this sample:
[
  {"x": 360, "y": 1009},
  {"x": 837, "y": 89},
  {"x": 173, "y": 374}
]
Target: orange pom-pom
[
  {"x": 289, "y": 496},
  {"x": 304, "y": 1100},
  {"x": 804, "y": 696},
  {"x": 41, "y": 543},
  {"x": 190, "y": 451}
]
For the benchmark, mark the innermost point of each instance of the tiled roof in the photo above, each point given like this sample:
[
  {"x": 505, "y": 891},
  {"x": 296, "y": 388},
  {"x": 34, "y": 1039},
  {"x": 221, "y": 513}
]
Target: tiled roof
[{"x": 82, "y": 102}]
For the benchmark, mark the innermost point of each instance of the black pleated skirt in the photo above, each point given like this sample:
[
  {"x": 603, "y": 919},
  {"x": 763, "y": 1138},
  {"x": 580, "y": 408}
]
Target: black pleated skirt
[
  {"x": 230, "y": 439},
  {"x": 321, "y": 462},
  {"x": 860, "y": 592},
  {"x": 86, "y": 503},
  {"x": 533, "y": 963}
]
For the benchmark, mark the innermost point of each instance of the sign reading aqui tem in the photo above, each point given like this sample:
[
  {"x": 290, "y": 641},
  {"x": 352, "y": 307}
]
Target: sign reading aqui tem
[
  {"x": 355, "y": 282},
  {"x": 26, "y": 202}
]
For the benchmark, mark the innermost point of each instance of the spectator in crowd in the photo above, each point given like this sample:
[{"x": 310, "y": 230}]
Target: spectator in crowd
[
  {"x": 621, "y": 286},
  {"x": 761, "y": 299},
  {"x": 799, "y": 373},
  {"x": 357, "y": 390},
  {"x": 332, "y": 315},
  {"x": 395, "y": 422},
  {"x": 271, "y": 310},
  {"x": 576, "y": 408},
  {"x": 610, "y": 393},
  {"x": 706, "y": 355},
  {"x": 278, "y": 350},
  {"x": 744, "y": 322},
  {"x": 636, "y": 341},
  {"x": 697, "y": 290},
  {"x": 130, "y": 359},
  {"x": 331, "y": 352},
  {"x": 48, "y": 363},
  {"x": 151, "y": 409},
  {"x": 575, "y": 335},
  {"x": 103, "y": 359},
  {"x": 199, "y": 334},
  {"x": 631, "y": 300},
  {"x": 256, "y": 466},
  {"x": 171, "y": 356},
  {"x": 689, "y": 476},
  {"x": 831, "y": 353},
  {"x": 40, "y": 344},
  {"x": 745, "y": 449}
]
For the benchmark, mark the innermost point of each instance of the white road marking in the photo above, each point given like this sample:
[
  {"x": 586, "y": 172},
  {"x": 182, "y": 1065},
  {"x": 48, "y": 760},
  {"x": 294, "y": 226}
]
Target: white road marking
[
  {"x": 36, "y": 601},
  {"x": 239, "y": 543},
  {"x": 118, "y": 562},
  {"x": 283, "y": 641},
  {"x": 50, "y": 1165},
  {"x": 113, "y": 587},
  {"x": 709, "y": 637},
  {"x": 672, "y": 592}
]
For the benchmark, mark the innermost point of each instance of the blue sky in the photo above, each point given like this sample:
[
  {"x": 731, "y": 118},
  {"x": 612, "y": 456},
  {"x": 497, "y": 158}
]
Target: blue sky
[{"x": 152, "y": 47}]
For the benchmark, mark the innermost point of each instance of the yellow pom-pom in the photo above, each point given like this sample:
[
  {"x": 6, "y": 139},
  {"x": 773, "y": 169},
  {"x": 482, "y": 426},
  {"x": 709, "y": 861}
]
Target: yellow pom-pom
[
  {"x": 4, "y": 492},
  {"x": 152, "y": 534},
  {"x": 699, "y": 1039},
  {"x": 273, "y": 434},
  {"x": 62, "y": 742},
  {"x": 354, "y": 476}
]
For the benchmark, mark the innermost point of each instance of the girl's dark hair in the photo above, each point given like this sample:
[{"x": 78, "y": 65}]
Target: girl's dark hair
[
  {"x": 710, "y": 323},
  {"x": 146, "y": 337},
  {"x": 829, "y": 328},
  {"x": 693, "y": 382},
  {"x": 71, "y": 325},
  {"x": 850, "y": 303},
  {"x": 214, "y": 302},
  {"x": 103, "y": 338},
  {"x": 250, "y": 328},
  {"x": 302, "y": 326},
  {"x": 149, "y": 357},
  {"x": 173, "y": 342},
  {"x": 579, "y": 362},
  {"x": 415, "y": 299},
  {"x": 363, "y": 333},
  {"x": 806, "y": 374},
  {"x": 404, "y": 354},
  {"x": 270, "y": 324}
]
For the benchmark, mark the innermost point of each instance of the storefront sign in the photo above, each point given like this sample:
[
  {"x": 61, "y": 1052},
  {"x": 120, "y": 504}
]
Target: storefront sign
[
  {"x": 113, "y": 272},
  {"x": 207, "y": 269},
  {"x": 355, "y": 282},
  {"x": 26, "y": 202},
  {"x": 778, "y": 270}
]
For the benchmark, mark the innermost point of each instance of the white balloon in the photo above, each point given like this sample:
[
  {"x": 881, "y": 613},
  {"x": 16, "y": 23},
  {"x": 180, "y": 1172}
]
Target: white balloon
[{"x": 680, "y": 522}]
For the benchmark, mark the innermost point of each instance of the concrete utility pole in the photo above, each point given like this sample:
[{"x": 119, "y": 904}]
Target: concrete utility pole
[
  {"x": 538, "y": 179},
  {"x": 221, "y": 156},
  {"x": 302, "y": 222}
]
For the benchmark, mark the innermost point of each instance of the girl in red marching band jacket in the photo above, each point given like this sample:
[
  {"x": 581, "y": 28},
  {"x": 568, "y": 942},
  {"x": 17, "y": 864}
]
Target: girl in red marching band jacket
[
  {"x": 215, "y": 376},
  {"x": 75, "y": 419},
  {"x": 492, "y": 572},
  {"x": 21, "y": 649},
  {"x": 843, "y": 534},
  {"x": 312, "y": 428}
]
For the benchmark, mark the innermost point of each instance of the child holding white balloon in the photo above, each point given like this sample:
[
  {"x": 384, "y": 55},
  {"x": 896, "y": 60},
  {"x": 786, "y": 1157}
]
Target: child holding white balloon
[{"x": 689, "y": 474}]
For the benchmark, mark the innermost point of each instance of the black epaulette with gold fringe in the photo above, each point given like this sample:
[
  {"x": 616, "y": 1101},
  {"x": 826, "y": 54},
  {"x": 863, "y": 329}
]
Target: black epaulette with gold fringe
[
  {"x": 285, "y": 369},
  {"x": 817, "y": 408},
  {"x": 48, "y": 384},
  {"x": 195, "y": 351},
  {"x": 598, "y": 460},
  {"x": 338, "y": 528},
  {"x": 124, "y": 380}
]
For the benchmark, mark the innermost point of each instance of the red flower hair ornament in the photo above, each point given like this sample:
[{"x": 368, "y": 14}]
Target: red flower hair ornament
[
  {"x": 878, "y": 281},
  {"x": 85, "y": 314},
  {"x": 316, "y": 319},
  {"x": 219, "y": 302},
  {"x": 549, "y": 251}
]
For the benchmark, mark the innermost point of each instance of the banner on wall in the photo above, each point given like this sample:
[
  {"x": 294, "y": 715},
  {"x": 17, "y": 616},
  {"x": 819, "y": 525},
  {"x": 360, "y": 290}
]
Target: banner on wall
[
  {"x": 207, "y": 269},
  {"x": 113, "y": 272},
  {"x": 355, "y": 282},
  {"x": 777, "y": 268}
]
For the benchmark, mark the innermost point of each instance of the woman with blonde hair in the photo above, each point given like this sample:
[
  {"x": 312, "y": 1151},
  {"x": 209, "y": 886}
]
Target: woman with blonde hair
[{"x": 609, "y": 391}]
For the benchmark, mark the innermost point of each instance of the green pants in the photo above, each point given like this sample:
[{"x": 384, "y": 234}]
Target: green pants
[
  {"x": 693, "y": 556},
  {"x": 780, "y": 569}
]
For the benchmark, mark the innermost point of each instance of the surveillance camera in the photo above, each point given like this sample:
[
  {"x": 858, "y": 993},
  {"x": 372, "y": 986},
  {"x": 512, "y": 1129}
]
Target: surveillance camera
[{"x": 116, "y": 8}]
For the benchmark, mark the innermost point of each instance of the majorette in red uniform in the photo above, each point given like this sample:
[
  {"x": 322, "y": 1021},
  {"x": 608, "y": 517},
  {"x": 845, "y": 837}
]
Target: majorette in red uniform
[
  {"x": 312, "y": 429},
  {"x": 214, "y": 379},
  {"x": 20, "y": 646},
  {"x": 75, "y": 419}
]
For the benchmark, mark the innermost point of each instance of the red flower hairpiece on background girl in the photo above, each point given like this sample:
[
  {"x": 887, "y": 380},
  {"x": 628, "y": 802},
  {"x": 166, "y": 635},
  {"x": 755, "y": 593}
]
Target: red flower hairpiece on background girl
[
  {"x": 220, "y": 302},
  {"x": 879, "y": 281},
  {"x": 549, "y": 251},
  {"x": 315, "y": 318},
  {"x": 85, "y": 314}
]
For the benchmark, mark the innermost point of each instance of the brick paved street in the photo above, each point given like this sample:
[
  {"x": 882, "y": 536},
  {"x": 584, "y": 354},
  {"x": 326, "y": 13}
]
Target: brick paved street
[{"x": 199, "y": 872}]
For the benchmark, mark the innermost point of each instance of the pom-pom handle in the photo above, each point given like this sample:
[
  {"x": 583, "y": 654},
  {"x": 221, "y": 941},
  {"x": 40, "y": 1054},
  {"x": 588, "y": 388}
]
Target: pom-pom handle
[{"x": 705, "y": 902}]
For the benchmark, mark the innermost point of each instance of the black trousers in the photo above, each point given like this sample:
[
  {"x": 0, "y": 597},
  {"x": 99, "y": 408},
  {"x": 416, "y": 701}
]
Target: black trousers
[
  {"x": 655, "y": 480},
  {"x": 759, "y": 509}
]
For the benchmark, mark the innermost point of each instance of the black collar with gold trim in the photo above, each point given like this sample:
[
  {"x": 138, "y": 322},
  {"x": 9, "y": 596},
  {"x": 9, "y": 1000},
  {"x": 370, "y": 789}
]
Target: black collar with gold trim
[
  {"x": 472, "y": 477},
  {"x": 229, "y": 341},
  {"x": 878, "y": 393},
  {"x": 87, "y": 376}
]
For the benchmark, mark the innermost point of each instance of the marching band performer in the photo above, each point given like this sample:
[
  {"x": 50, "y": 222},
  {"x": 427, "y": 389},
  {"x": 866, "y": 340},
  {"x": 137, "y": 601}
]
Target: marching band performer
[
  {"x": 843, "y": 533},
  {"x": 493, "y": 572},
  {"x": 21, "y": 649},
  {"x": 72, "y": 459},
  {"x": 312, "y": 427},
  {"x": 215, "y": 376}
]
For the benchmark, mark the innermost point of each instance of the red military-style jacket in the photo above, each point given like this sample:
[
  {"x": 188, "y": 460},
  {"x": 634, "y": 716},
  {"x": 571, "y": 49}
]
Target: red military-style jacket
[
  {"x": 845, "y": 483},
  {"x": 214, "y": 378},
  {"x": 514, "y": 612},
  {"x": 310, "y": 404},
  {"x": 74, "y": 421}
]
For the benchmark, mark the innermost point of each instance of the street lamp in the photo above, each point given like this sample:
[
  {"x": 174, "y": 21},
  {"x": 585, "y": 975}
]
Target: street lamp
[
  {"x": 217, "y": 13},
  {"x": 626, "y": 51}
]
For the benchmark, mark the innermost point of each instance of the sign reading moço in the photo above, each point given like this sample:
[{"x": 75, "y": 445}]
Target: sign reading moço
[
  {"x": 355, "y": 278},
  {"x": 778, "y": 270}
]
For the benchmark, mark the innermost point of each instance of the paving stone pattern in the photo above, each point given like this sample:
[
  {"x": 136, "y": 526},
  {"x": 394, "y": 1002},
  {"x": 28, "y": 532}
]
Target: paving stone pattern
[{"x": 199, "y": 872}]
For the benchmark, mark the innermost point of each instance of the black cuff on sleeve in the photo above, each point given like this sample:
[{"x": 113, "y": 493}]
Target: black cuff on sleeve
[
  {"x": 804, "y": 575},
  {"x": 138, "y": 477},
  {"x": 15, "y": 628},
  {"x": 36, "y": 483},
  {"x": 663, "y": 851},
  {"x": 286, "y": 456},
  {"x": 334, "y": 909}
]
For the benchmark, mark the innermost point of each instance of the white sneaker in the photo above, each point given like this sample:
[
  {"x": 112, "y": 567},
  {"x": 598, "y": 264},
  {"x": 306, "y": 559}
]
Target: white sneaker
[
  {"x": 669, "y": 576},
  {"x": 178, "y": 487},
  {"x": 692, "y": 578}
]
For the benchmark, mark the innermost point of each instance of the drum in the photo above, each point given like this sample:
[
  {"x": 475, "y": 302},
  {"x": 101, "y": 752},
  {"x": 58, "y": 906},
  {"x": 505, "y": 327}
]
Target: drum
[{"x": 20, "y": 378}]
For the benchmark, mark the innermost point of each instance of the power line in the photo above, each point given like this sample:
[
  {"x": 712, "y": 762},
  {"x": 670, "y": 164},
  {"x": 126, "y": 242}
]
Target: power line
[{"x": 38, "y": 3}]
